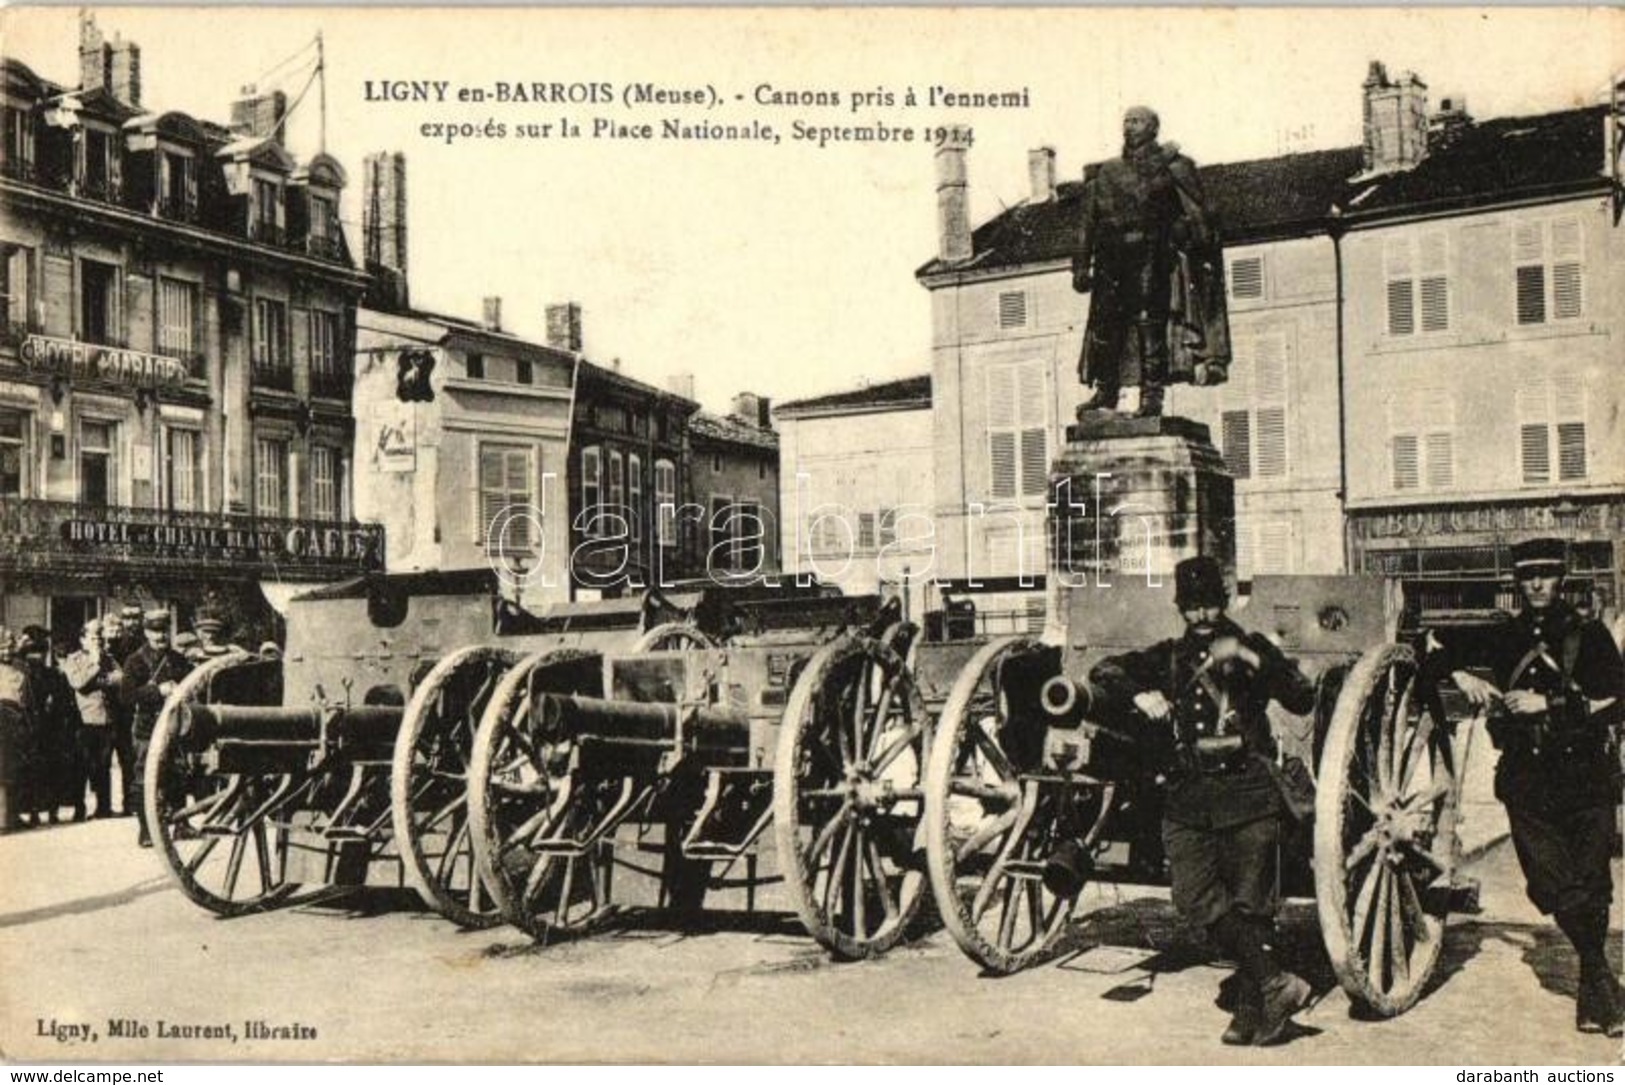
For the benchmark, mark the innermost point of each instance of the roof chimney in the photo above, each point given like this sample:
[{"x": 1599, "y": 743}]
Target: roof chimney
[
  {"x": 259, "y": 116},
  {"x": 747, "y": 407},
  {"x": 1041, "y": 169},
  {"x": 95, "y": 56},
  {"x": 564, "y": 326},
  {"x": 491, "y": 314},
  {"x": 383, "y": 229},
  {"x": 1447, "y": 125},
  {"x": 1396, "y": 121},
  {"x": 125, "y": 72},
  {"x": 953, "y": 214},
  {"x": 681, "y": 384}
]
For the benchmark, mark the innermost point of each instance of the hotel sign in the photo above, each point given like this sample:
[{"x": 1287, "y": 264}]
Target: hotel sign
[
  {"x": 356, "y": 546},
  {"x": 91, "y": 361}
]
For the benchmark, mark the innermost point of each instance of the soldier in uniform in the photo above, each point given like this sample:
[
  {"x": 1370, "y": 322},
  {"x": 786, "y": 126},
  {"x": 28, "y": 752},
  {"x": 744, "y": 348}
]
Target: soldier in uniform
[
  {"x": 211, "y": 632},
  {"x": 1147, "y": 256},
  {"x": 123, "y": 639},
  {"x": 57, "y": 780},
  {"x": 1222, "y": 818},
  {"x": 150, "y": 675},
  {"x": 1555, "y": 704},
  {"x": 94, "y": 678},
  {"x": 16, "y": 732}
]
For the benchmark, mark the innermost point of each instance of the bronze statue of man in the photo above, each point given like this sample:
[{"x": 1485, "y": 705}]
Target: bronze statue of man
[{"x": 1150, "y": 259}]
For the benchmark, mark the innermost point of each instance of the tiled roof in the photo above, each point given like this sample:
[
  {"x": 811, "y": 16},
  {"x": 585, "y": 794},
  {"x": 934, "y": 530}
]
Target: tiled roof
[
  {"x": 905, "y": 393},
  {"x": 1494, "y": 160},
  {"x": 1291, "y": 195},
  {"x": 732, "y": 430}
]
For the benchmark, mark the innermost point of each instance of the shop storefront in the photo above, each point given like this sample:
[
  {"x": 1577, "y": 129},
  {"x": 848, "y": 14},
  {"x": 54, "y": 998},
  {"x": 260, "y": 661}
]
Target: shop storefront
[{"x": 1455, "y": 560}]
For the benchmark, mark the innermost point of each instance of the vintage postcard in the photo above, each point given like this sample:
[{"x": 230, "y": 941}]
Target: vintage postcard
[{"x": 811, "y": 536}]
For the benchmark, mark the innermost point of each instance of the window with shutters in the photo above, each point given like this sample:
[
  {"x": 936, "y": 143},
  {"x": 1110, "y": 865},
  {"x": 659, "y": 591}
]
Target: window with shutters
[
  {"x": 16, "y": 292},
  {"x": 866, "y": 531},
  {"x": 666, "y": 501},
  {"x": 750, "y": 536},
  {"x": 1551, "y": 430},
  {"x": 592, "y": 494},
  {"x": 1018, "y": 455},
  {"x": 324, "y": 482},
  {"x": 720, "y": 551},
  {"x": 271, "y": 362},
  {"x": 1264, "y": 549},
  {"x": 634, "y": 498},
  {"x": 1417, "y": 272},
  {"x": 1548, "y": 277},
  {"x": 270, "y": 477},
  {"x": 183, "y": 452},
  {"x": 179, "y": 197},
  {"x": 886, "y": 525},
  {"x": 1253, "y": 417},
  {"x": 1421, "y": 442},
  {"x": 177, "y": 318},
  {"x": 101, "y": 316},
  {"x": 506, "y": 497},
  {"x": 1247, "y": 278},
  {"x": 614, "y": 489},
  {"x": 15, "y": 464},
  {"x": 1013, "y": 309}
]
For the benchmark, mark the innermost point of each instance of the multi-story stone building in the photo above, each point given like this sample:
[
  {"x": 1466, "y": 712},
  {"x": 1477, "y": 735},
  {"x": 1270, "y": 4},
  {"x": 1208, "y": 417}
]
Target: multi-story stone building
[
  {"x": 856, "y": 491},
  {"x": 1484, "y": 272},
  {"x": 736, "y": 482},
  {"x": 175, "y": 415}
]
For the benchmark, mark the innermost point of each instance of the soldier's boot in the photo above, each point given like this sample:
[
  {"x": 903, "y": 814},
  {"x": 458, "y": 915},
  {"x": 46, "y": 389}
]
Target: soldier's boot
[
  {"x": 1282, "y": 994},
  {"x": 1245, "y": 1016},
  {"x": 1150, "y": 401},
  {"x": 1104, "y": 399},
  {"x": 1598, "y": 1007}
]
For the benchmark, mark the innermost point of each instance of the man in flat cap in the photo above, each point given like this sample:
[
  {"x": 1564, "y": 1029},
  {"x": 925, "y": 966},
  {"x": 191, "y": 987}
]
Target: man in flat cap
[
  {"x": 1222, "y": 819},
  {"x": 95, "y": 677},
  {"x": 150, "y": 675},
  {"x": 1555, "y": 701},
  {"x": 1149, "y": 258}
]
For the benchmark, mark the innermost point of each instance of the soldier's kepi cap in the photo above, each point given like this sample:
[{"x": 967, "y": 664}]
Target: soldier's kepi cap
[
  {"x": 1537, "y": 557},
  {"x": 132, "y": 613},
  {"x": 208, "y": 619},
  {"x": 156, "y": 619},
  {"x": 1199, "y": 582}
]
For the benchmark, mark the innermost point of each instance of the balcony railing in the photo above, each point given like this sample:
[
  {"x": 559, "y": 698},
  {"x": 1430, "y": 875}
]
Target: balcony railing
[
  {"x": 65, "y": 536},
  {"x": 268, "y": 233},
  {"x": 178, "y": 210},
  {"x": 20, "y": 169},
  {"x": 332, "y": 383},
  {"x": 102, "y": 189},
  {"x": 273, "y": 375},
  {"x": 13, "y": 332},
  {"x": 324, "y": 248}
]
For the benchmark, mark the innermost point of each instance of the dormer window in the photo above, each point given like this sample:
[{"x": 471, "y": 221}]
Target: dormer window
[
  {"x": 179, "y": 186},
  {"x": 19, "y": 142},
  {"x": 267, "y": 215},
  {"x": 98, "y": 165}
]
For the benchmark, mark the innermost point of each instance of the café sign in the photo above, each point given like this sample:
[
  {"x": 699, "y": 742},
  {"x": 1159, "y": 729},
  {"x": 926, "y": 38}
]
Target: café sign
[
  {"x": 352, "y": 546},
  {"x": 73, "y": 360}
]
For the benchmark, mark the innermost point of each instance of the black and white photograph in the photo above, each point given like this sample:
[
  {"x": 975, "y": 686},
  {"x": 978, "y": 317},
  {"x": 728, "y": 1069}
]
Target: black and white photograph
[{"x": 812, "y": 536}]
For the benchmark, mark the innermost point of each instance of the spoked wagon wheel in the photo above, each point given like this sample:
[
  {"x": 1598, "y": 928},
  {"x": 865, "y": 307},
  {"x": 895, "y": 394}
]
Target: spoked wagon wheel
[
  {"x": 1386, "y": 843},
  {"x": 672, "y": 637},
  {"x": 990, "y": 821},
  {"x": 847, "y": 797},
  {"x": 220, "y": 835},
  {"x": 519, "y": 794},
  {"x": 428, "y": 784}
]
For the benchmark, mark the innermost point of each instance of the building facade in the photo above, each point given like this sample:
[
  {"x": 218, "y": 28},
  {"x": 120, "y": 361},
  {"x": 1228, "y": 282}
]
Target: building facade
[
  {"x": 175, "y": 417},
  {"x": 463, "y": 442},
  {"x": 735, "y": 480},
  {"x": 1485, "y": 278},
  {"x": 856, "y": 489}
]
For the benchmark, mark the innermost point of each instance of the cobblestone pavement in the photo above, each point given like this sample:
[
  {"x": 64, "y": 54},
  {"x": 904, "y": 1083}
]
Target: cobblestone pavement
[{"x": 91, "y": 931}]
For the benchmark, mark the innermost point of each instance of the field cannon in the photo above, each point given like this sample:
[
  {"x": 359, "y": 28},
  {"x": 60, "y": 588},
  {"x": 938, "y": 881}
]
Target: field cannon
[
  {"x": 346, "y": 762},
  {"x": 596, "y": 777},
  {"x": 1023, "y": 760}
]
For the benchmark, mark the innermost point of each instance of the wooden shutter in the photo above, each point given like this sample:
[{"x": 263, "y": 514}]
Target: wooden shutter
[
  {"x": 1401, "y": 294},
  {"x": 1567, "y": 288},
  {"x": 1534, "y": 442},
  {"x": 1528, "y": 256},
  {"x": 1247, "y": 277},
  {"x": 1001, "y": 424},
  {"x": 1238, "y": 443},
  {"x": 1435, "y": 282},
  {"x": 1034, "y": 430}
]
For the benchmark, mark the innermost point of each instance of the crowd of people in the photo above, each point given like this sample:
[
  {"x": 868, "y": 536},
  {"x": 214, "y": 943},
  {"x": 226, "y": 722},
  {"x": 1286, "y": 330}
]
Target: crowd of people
[{"x": 67, "y": 716}]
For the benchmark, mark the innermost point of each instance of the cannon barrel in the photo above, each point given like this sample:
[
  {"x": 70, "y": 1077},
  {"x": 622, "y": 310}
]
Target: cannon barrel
[
  {"x": 1065, "y": 700},
  {"x": 201, "y": 726},
  {"x": 638, "y": 722}
]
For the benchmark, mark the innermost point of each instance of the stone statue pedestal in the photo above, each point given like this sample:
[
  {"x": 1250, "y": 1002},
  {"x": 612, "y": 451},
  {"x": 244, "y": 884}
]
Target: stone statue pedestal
[{"x": 1140, "y": 495}]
